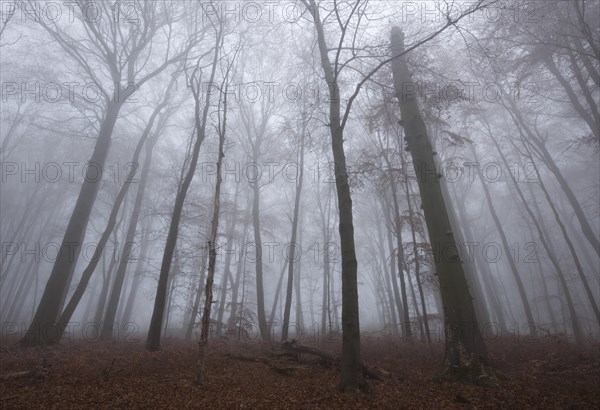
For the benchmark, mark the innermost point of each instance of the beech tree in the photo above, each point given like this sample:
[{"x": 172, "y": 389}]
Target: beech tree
[
  {"x": 120, "y": 50},
  {"x": 199, "y": 134},
  {"x": 465, "y": 354}
]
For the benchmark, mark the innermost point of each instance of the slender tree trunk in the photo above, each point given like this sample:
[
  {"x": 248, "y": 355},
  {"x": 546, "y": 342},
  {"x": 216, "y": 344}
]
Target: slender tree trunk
[
  {"x": 105, "y": 286},
  {"x": 235, "y": 314},
  {"x": 126, "y": 252},
  {"x": 111, "y": 224},
  {"x": 578, "y": 266},
  {"x": 171, "y": 283},
  {"x": 325, "y": 225},
  {"x": 17, "y": 303},
  {"x": 297, "y": 282},
  {"x": 397, "y": 227},
  {"x": 411, "y": 215},
  {"x": 199, "y": 291},
  {"x": 212, "y": 251},
  {"x": 545, "y": 243},
  {"x": 278, "y": 292},
  {"x": 153, "y": 339},
  {"x": 386, "y": 274},
  {"x": 399, "y": 302},
  {"x": 260, "y": 293},
  {"x": 486, "y": 275},
  {"x": 506, "y": 247},
  {"x": 292, "y": 247},
  {"x": 137, "y": 276},
  {"x": 540, "y": 146}
]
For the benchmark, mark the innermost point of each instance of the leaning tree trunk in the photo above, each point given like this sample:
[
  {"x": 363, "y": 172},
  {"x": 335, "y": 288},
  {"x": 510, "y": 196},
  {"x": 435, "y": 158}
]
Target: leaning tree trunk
[
  {"x": 115, "y": 294},
  {"x": 466, "y": 355},
  {"x": 153, "y": 339},
  {"x": 112, "y": 221},
  {"x": 506, "y": 247},
  {"x": 540, "y": 145},
  {"x": 571, "y": 247},
  {"x": 57, "y": 286}
]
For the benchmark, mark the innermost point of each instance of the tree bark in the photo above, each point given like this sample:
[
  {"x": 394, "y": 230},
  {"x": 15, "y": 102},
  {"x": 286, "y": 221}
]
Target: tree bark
[
  {"x": 212, "y": 261},
  {"x": 57, "y": 286},
  {"x": 466, "y": 355},
  {"x": 153, "y": 339},
  {"x": 352, "y": 378}
]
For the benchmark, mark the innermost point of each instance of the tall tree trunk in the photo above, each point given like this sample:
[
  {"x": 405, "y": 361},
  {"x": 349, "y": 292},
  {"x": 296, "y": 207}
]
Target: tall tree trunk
[
  {"x": 486, "y": 275},
  {"x": 506, "y": 247},
  {"x": 171, "y": 283},
  {"x": 411, "y": 215},
  {"x": 396, "y": 225},
  {"x": 194, "y": 314},
  {"x": 153, "y": 339},
  {"x": 325, "y": 230},
  {"x": 466, "y": 354},
  {"x": 536, "y": 142},
  {"x": 578, "y": 266},
  {"x": 260, "y": 292},
  {"x": 212, "y": 250},
  {"x": 105, "y": 286},
  {"x": 110, "y": 225},
  {"x": 386, "y": 273},
  {"x": 352, "y": 378},
  {"x": 57, "y": 286},
  {"x": 235, "y": 313},
  {"x": 137, "y": 276},
  {"x": 297, "y": 282},
  {"x": 292, "y": 247},
  {"x": 277, "y": 292},
  {"x": 17, "y": 303},
  {"x": 227, "y": 276},
  {"x": 126, "y": 255},
  {"x": 545, "y": 243},
  {"x": 399, "y": 302}
]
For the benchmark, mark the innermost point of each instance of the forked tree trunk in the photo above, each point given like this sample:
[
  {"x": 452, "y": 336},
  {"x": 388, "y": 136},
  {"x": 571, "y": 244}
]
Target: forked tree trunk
[{"x": 466, "y": 355}]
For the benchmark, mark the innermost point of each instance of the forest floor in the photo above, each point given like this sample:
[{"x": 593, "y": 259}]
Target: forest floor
[{"x": 545, "y": 374}]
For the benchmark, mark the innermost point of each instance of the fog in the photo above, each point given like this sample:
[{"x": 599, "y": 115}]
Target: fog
[{"x": 142, "y": 141}]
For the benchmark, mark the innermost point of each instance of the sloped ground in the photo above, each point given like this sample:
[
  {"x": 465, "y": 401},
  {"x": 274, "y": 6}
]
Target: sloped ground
[{"x": 545, "y": 374}]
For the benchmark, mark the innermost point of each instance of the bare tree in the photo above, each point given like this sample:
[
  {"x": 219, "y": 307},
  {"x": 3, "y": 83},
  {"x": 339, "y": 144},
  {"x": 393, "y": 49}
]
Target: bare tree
[
  {"x": 200, "y": 123},
  {"x": 466, "y": 354},
  {"x": 121, "y": 49}
]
